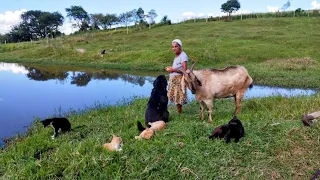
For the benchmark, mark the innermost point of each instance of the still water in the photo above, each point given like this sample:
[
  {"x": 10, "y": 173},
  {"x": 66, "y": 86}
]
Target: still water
[{"x": 33, "y": 91}]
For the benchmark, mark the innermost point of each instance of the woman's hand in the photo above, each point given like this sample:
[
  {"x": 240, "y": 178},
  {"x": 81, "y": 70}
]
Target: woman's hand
[{"x": 169, "y": 69}]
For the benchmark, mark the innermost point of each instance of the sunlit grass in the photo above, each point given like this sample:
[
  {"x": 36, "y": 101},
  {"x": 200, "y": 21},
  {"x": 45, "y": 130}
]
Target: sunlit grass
[{"x": 276, "y": 144}]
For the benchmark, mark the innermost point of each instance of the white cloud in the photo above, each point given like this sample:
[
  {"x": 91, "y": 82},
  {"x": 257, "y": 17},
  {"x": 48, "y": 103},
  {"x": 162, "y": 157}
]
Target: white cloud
[
  {"x": 273, "y": 9},
  {"x": 67, "y": 28},
  {"x": 9, "y": 19},
  {"x": 15, "y": 68},
  {"x": 315, "y": 5}
]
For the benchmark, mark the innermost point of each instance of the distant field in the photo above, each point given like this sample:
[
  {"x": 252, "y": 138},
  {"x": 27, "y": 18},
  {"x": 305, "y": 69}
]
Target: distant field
[{"x": 276, "y": 51}]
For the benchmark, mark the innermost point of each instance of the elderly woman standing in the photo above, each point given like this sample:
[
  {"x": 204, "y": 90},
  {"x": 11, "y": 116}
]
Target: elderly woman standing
[{"x": 175, "y": 93}]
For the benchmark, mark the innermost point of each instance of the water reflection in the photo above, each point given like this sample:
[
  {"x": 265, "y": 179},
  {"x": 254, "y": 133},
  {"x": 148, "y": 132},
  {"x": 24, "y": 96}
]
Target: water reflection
[
  {"x": 29, "y": 91},
  {"x": 81, "y": 78}
]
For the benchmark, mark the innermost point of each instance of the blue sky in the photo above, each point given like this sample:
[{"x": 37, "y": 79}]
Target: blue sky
[{"x": 177, "y": 10}]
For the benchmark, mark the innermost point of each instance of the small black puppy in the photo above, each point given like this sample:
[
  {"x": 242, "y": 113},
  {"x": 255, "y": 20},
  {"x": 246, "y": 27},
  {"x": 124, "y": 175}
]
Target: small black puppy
[
  {"x": 58, "y": 124},
  {"x": 157, "y": 107},
  {"x": 234, "y": 129}
]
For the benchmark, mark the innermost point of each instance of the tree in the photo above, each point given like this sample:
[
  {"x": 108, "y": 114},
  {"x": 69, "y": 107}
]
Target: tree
[
  {"x": 109, "y": 20},
  {"x": 79, "y": 15},
  {"x": 139, "y": 16},
  {"x": 165, "y": 20},
  {"x": 286, "y": 5},
  {"x": 151, "y": 15},
  {"x": 125, "y": 19},
  {"x": 96, "y": 21},
  {"x": 36, "y": 24},
  {"x": 20, "y": 33},
  {"x": 230, "y": 6}
]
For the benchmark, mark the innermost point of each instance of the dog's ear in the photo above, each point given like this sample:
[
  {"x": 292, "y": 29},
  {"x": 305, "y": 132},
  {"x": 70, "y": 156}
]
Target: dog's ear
[{"x": 155, "y": 83}]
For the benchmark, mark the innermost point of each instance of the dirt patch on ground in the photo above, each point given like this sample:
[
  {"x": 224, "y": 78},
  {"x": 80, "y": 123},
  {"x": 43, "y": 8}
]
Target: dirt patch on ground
[{"x": 292, "y": 64}]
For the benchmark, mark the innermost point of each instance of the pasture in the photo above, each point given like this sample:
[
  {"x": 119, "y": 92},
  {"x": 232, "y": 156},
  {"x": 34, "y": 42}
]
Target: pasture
[
  {"x": 269, "y": 150},
  {"x": 276, "y": 51}
]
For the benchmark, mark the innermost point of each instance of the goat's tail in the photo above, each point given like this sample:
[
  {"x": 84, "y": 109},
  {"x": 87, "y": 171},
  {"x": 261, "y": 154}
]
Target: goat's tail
[
  {"x": 250, "y": 81},
  {"x": 140, "y": 127},
  {"x": 251, "y": 85}
]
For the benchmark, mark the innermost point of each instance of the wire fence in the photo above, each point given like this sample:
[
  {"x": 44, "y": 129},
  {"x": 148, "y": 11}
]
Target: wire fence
[{"x": 302, "y": 13}]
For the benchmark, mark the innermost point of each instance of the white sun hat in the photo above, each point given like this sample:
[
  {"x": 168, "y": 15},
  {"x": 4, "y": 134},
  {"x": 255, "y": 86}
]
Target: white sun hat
[{"x": 177, "y": 41}]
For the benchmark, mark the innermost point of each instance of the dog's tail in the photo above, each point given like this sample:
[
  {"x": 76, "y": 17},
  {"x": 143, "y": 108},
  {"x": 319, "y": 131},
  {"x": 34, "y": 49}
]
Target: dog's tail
[{"x": 140, "y": 127}]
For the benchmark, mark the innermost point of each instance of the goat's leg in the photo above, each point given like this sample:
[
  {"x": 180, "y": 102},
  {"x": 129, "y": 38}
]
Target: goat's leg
[
  {"x": 201, "y": 110},
  {"x": 237, "y": 98},
  {"x": 209, "y": 106}
]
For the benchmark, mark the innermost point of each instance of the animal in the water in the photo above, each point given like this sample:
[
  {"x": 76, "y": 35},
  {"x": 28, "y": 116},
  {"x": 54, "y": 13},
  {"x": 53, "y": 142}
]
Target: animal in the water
[
  {"x": 209, "y": 84},
  {"x": 115, "y": 144},
  {"x": 234, "y": 129},
  {"x": 58, "y": 124},
  {"x": 157, "y": 107}
]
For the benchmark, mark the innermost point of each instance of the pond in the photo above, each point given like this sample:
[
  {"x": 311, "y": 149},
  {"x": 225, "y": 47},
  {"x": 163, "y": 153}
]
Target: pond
[{"x": 34, "y": 91}]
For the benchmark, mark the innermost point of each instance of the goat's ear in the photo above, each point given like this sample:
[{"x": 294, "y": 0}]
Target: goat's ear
[{"x": 199, "y": 82}]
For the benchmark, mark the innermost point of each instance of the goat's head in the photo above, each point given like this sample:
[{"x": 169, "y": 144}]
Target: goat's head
[{"x": 191, "y": 80}]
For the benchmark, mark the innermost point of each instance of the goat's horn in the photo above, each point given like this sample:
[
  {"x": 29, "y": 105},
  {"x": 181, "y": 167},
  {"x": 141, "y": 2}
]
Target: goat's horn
[{"x": 191, "y": 69}]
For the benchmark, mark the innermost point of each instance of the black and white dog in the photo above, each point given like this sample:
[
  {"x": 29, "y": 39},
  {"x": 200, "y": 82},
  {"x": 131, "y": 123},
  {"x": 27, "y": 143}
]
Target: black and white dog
[
  {"x": 58, "y": 124},
  {"x": 157, "y": 108}
]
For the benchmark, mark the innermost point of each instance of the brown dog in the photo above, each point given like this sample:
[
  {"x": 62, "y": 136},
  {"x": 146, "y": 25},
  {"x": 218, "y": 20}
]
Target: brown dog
[{"x": 147, "y": 133}]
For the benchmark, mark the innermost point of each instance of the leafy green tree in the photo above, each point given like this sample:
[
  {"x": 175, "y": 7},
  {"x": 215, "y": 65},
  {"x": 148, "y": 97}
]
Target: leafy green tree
[
  {"x": 41, "y": 23},
  {"x": 165, "y": 20},
  {"x": 140, "y": 14},
  {"x": 79, "y": 15},
  {"x": 138, "y": 17},
  {"x": 109, "y": 20},
  {"x": 96, "y": 21},
  {"x": 125, "y": 19},
  {"x": 230, "y": 6},
  {"x": 36, "y": 24},
  {"x": 20, "y": 33}
]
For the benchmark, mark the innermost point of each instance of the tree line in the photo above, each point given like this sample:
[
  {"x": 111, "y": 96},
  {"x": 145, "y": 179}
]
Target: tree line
[{"x": 38, "y": 24}]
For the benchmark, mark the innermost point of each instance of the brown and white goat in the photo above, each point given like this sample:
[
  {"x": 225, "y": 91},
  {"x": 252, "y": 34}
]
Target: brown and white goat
[{"x": 207, "y": 84}]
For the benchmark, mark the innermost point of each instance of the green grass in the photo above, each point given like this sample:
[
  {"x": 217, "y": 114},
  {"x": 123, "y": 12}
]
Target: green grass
[
  {"x": 284, "y": 151},
  {"x": 276, "y": 51}
]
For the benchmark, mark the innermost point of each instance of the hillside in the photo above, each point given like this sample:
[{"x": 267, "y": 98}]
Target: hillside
[{"x": 282, "y": 49}]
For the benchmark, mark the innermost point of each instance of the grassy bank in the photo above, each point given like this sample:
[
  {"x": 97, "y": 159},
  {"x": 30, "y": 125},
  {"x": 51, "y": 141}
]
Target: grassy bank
[
  {"x": 268, "y": 151},
  {"x": 276, "y": 51}
]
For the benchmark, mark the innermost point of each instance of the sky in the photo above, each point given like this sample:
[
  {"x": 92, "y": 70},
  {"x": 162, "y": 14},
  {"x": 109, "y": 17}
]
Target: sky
[{"x": 176, "y": 10}]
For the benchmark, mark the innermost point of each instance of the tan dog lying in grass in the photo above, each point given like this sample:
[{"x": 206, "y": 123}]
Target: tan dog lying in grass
[
  {"x": 147, "y": 133},
  {"x": 115, "y": 144}
]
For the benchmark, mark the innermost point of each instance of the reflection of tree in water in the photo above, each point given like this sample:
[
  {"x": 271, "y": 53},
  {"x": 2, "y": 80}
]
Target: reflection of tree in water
[
  {"x": 83, "y": 78},
  {"x": 80, "y": 78},
  {"x": 40, "y": 75}
]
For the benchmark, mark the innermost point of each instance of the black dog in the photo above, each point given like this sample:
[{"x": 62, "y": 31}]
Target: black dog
[
  {"x": 234, "y": 129},
  {"x": 157, "y": 108}
]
